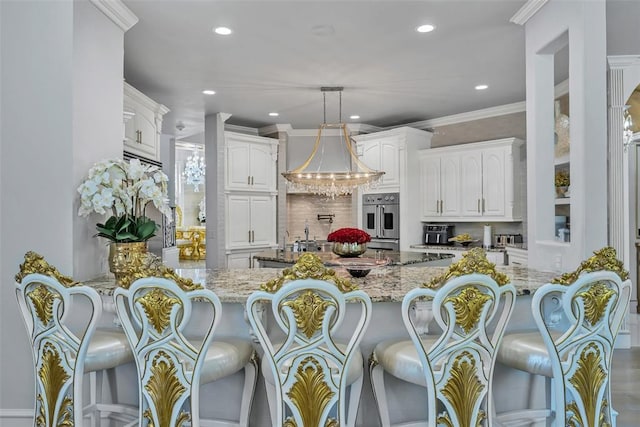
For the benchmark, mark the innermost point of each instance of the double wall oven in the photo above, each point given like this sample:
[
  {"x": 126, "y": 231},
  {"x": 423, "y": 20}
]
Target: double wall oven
[{"x": 381, "y": 219}]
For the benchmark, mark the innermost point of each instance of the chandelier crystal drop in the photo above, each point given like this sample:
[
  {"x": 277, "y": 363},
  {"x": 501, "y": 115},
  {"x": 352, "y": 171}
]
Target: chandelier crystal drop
[
  {"x": 332, "y": 183},
  {"x": 194, "y": 170}
]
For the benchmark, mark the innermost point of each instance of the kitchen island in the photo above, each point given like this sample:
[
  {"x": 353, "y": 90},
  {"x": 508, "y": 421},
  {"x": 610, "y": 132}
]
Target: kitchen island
[
  {"x": 275, "y": 258},
  {"x": 385, "y": 285}
]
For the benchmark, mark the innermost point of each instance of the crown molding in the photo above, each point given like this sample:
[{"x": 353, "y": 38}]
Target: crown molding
[
  {"x": 241, "y": 129},
  {"x": 271, "y": 129},
  {"x": 527, "y": 11},
  {"x": 486, "y": 113},
  {"x": 115, "y": 10},
  {"x": 561, "y": 88},
  {"x": 361, "y": 128},
  {"x": 623, "y": 61}
]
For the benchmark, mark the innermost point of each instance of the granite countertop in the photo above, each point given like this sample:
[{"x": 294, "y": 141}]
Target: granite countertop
[
  {"x": 385, "y": 284},
  {"x": 329, "y": 258},
  {"x": 456, "y": 247}
]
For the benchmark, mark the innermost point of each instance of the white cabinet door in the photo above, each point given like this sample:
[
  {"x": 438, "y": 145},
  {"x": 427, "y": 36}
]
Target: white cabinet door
[
  {"x": 371, "y": 154},
  {"x": 250, "y": 221},
  {"x": 250, "y": 163},
  {"x": 471, "y": 183},
  {"x": 389, "y": 162},
  {"x": 383, "y": 155},
  {"x": 261, "y": 168},
  {"x": 238, "y": 176},
  {"x": 496, "y": 257},
  {"x": 238, "y": 221},
  {"x": 263, "y": 226},
  {"x": 149, "y": 138},
  {"x": 450, "y": 185},
  {"x": 430, "y": 186},
  {"x": 239, "y": 260},
  {"x": 493, "y": 182}
]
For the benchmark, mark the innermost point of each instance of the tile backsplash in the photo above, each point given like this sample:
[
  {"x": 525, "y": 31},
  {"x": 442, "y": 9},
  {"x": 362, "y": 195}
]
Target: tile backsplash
[{"x": 307, "y": 207}]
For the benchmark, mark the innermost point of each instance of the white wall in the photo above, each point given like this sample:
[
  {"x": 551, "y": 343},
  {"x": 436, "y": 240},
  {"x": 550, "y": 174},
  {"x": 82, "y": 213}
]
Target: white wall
[
  {"x": 585, "y": 23},
  {"x": 61, "y": 106}
]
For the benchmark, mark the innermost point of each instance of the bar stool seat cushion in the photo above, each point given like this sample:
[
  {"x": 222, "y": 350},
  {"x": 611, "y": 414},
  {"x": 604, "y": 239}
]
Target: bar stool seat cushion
[
  {"x": 107, "y": 349},
  {"x": 224, "y": 357},
  {"x": 400, "y": 359},
  {"x": 354, "y": 371},
  {"x": 527, "y": 352}
]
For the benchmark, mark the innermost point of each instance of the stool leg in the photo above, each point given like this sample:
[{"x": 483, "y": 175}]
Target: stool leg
[
  {"x": 95, "y": 396},
  {"x": 354, "y": 402},
  {"x": 379, "y": 393},
  {"x": 250, "y": 379}
]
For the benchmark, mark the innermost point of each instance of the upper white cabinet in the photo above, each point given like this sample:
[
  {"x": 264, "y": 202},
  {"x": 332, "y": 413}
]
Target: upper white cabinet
[
  {"x": 383, "y": 155},
  {"x": 250, "y": 162},
  {"x": 142, "y": 123},
  {"x": 440, "y": 184},
  {"x": 470, "y": 182}
]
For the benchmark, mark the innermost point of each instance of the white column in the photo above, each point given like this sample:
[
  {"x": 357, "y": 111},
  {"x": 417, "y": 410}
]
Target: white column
[{"x": 214, "y": 142}]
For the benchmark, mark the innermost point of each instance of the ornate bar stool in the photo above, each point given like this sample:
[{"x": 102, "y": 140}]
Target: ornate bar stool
[
  {"x": 578, "y": 317},
  {"x": 154, "y": 313},
  {"x": 456, "y": 367},
  {"x": 61, "y": 354},
  {"x": 307, "y": 373}
]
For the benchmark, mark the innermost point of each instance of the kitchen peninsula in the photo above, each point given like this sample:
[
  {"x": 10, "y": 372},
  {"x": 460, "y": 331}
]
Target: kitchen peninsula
[{"x": 385, "y": 285}]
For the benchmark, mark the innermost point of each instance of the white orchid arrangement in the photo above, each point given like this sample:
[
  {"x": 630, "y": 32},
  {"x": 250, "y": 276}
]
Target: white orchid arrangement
[{"x": 124, "y": 188}]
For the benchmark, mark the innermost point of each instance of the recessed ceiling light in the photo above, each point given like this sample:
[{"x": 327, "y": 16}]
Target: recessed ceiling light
[
  {"x": 209, "y": 92},
  {"x": 426, "y": 28},
  {"x": 274, "y": 114},
  {"x": 223, "y": 31},
  {"x": 482, "y": 87},
  {"x": 354, "y": 117}
]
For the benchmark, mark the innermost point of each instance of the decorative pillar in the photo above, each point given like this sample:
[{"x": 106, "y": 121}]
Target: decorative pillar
[{"x": 616, "y": 167}]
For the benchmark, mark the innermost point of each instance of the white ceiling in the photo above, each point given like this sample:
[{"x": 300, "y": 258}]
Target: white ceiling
[{"x": 282, "y": 52}]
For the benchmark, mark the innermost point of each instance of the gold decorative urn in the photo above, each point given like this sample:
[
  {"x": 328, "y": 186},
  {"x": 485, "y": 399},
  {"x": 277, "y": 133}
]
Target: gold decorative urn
[{"x": 125, "y": 257}]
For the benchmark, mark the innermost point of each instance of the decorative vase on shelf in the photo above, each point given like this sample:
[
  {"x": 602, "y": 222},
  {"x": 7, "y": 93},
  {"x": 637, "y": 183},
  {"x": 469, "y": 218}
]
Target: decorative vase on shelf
[
  {"x": 126, "y": 257},
  {"x": 349, "y": 250},
  {"x": 561, "y": 191}
]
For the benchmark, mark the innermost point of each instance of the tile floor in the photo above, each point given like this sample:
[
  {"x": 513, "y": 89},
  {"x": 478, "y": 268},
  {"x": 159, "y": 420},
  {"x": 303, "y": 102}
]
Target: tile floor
[{"x": 625, "y": 377}]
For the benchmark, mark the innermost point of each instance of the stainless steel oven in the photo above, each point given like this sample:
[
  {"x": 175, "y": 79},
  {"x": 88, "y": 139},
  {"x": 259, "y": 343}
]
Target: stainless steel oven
[{"x": 381, "y": 219}]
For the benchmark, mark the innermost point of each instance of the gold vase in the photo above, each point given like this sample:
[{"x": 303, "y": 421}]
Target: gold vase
[
  {"x": 124, "y": 257},
  {"x": 349, "y": 250}
]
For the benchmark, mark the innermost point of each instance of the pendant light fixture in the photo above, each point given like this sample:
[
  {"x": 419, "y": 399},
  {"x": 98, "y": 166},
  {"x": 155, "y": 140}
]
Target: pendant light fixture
[{"x": 332, "y": 183}]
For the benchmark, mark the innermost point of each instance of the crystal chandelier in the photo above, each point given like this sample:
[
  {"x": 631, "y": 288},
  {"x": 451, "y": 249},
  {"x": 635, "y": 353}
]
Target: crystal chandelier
[
  {"x": 334, "y": 183},
  {"x": 194, "y": 171},
  {"x": 627, "y": 128}
]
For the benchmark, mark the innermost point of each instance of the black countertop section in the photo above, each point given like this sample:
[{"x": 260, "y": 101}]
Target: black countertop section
[{"x": 396, "y": 258}]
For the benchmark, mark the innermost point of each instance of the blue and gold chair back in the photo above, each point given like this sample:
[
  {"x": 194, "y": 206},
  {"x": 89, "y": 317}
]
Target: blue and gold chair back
[
  {"x": 46, "y": 299},
  {"x": 578, "y": 317},
  {"x": 154, "y": 313},
  {"x": 311, "y": 369}
]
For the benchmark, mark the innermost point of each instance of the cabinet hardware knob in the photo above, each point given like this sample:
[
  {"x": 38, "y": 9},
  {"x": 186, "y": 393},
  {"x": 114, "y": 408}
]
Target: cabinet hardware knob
[
  {"x": 483, "y": 205},
  {"x": 249, "y": 236},
  {"x": 478, "y": 205},
  {"x": 248, "y": 180}
]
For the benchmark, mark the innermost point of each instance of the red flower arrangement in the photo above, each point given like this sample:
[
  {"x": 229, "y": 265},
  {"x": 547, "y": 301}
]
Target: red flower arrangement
[{"x": 349, "y": 235}]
